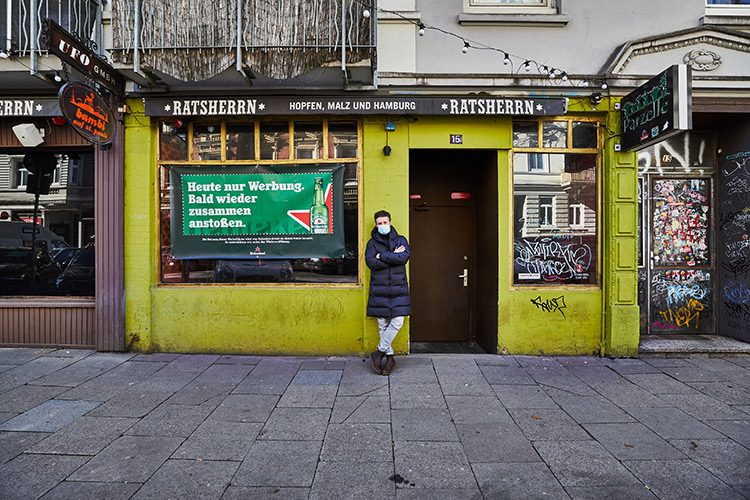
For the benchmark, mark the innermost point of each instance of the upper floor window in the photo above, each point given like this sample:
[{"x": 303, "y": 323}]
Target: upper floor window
[
  {"x": 727, "y": 8},
  {"x": 512, "y": 7},
  {"x": 20, "y": 174}
]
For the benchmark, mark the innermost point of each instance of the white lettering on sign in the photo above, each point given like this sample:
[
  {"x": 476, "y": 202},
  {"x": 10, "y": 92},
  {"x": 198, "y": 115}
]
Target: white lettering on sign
[
  {"x": 491, "y": 106},
  {"x": 16, "y": 107},
  {"x": 457, "y": 139},
  {"x": 214, "y": 107},
  {"x": 305, "y": 105}
]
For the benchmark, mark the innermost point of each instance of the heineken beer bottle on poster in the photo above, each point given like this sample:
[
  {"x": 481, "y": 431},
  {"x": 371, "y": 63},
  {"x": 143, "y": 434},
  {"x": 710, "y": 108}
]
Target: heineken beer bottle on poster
[{"x": 318, "y": 210}]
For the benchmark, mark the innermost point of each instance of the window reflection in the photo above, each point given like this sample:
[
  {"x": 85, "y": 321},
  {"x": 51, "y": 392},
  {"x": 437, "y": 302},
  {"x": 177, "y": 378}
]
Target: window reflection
[
  {"x": 525, "y": 134},
  {"x": 554, "y": 217},
  {"x": 274, "y": 141},
  {"x": 342, "y": 140},
  {"x": 308, "y": 140},
  {"x": 173, "y": 142},
  {"x": 555, "y": 134},
  {"x": 207, "y": 142}
]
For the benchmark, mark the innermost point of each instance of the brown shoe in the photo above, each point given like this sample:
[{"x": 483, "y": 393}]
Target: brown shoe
[
  {"x": 390, "y": 364},
  {"x": 377, "y": 358}
]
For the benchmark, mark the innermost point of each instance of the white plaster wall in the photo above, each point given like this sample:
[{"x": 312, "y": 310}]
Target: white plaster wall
[
  {"x": 597, "y": 28},
  {"x": 397, "y": 51}
]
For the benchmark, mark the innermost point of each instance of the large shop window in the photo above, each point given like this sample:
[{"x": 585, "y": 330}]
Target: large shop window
[
  {"x": 555, "y": 230},
  {"x": 259, "y": 201},
  {"x": 62, "y": 263}
]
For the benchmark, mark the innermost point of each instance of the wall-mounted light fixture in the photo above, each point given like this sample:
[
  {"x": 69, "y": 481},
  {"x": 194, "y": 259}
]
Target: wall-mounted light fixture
[
  {"x": 596, "y": 98},
  {"x": 28, "y": 135}
]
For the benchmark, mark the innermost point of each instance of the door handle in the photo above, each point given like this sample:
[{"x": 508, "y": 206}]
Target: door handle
[{"x": 465, "y": 276}]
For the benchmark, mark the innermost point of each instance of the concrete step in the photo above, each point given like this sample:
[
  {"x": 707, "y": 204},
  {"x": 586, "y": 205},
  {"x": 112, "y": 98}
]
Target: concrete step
[{"x": 699, "y": 346}]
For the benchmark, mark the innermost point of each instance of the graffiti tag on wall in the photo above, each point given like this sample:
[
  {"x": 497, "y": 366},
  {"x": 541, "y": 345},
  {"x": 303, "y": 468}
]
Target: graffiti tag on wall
[
  {"x": 734, "y": 244},
  {"x": 564, "y": 259},
  {"x": 681, "y": 300},
  {"x": 550, "y": 305}
]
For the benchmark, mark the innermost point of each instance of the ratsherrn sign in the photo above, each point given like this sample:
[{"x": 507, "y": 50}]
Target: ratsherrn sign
[
  {"x": 257, "y": 211},
  {"x": 260, "y": 106}
]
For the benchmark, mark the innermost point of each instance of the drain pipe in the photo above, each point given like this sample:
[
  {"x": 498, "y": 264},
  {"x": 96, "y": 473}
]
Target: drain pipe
[
  {"x": 137, "y": 38},
  {"x": 343, "y": 41},
  {"x": 8, "y": 26},
  {"x": 34, "y": 46}
]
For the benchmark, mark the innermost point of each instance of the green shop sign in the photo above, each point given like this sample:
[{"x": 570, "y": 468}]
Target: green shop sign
[{"x": 257, "y": 211}]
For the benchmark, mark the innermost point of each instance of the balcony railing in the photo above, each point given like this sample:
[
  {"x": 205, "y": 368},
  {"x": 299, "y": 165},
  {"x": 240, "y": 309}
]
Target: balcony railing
[
  {"x": 22, "y": 23},
  {"x": 197, "y": 39}
]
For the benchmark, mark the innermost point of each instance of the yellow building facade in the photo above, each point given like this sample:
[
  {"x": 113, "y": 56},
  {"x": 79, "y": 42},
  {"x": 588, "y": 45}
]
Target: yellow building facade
[{"x": 512, "y": 305}]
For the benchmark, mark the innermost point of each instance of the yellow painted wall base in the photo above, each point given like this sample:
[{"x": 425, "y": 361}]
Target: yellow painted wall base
[
  {"x": 312, "y": 321},
  {"x": 623, "y": 331}
]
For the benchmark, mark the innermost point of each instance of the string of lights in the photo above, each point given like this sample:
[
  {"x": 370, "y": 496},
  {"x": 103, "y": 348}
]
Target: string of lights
[{"x": 526, "y": 64}]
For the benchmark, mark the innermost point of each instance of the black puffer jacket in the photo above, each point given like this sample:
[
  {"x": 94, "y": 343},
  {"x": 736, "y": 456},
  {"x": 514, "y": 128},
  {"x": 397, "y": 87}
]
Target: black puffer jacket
[{"x": 389, "y": 289}]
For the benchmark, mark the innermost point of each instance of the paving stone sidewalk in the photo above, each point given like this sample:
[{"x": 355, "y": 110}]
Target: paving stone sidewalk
[{"x": 86, "y": 425}]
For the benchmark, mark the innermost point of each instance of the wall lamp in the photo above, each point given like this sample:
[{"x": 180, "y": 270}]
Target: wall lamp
[{"x": 596, "y": 98}]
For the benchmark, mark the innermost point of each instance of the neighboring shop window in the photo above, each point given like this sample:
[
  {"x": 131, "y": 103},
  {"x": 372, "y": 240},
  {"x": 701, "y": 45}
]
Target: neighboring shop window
[
  {"x": 555, "y": 166},
  {"x": 63, "y": 263},
  {"x": 291, "y": 189}
]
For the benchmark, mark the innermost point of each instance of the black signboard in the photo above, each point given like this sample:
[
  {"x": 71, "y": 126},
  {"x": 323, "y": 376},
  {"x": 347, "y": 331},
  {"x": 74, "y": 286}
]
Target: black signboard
[
  {"x": 70, "y": 50},
  {"x": 87, "y": 113},
  {"x": 29, "y": 106},
  {"x": 658, "y": 109},
  {"x": 344, "y": 105}
]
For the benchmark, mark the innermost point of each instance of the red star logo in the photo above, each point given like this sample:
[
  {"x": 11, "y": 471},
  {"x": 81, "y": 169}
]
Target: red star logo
[{"x": 257, "y": 249}]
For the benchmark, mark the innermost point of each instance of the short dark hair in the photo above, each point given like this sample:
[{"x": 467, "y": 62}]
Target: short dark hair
[{"x": 382, "y": 213}]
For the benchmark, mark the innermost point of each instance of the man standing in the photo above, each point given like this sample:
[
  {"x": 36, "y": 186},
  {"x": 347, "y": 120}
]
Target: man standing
[{"x": 386, "y": 255}]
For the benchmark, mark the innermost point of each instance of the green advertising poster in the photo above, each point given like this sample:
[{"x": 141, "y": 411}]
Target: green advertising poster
[{"x": 257, "y": 211}]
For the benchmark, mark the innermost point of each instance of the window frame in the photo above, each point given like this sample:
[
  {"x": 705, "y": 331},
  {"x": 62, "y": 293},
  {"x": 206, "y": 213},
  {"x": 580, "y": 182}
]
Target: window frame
[
  {"x": 544, "y": 208},
  {"x": 540, "y": 149},
  {"x": 20, "y": 178},
  {"x": 162, "y": 184},
  {"x": 727, "y": 10},
  {"x": 505, "y": 7}
]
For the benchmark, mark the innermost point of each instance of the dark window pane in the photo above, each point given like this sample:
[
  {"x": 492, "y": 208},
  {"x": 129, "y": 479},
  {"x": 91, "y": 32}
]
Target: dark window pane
[
  {"x": 584, "y": 135},
  {"x": 240, "y": 141}
]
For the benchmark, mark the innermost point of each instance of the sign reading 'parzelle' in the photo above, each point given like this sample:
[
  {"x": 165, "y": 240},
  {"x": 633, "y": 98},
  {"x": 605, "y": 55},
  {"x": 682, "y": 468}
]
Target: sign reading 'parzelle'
[
  {"x": 657, "y": 109},
  {"x": 87, "y": 113},
  {"x": 254, "y": 212},
  {"x": 356, "y": 106}
]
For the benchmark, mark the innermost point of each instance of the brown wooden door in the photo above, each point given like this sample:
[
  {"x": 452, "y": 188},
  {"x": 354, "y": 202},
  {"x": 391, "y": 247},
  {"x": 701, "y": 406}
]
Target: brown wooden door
[{"x": 440, "y": 252}]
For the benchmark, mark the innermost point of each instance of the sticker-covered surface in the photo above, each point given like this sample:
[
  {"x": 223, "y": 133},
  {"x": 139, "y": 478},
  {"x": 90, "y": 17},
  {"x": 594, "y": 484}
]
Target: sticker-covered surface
[
  {"x": 681, "y": 301},
  {"x": 680, "y": 215}
]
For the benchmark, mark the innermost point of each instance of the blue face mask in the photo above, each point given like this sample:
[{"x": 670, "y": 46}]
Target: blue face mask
[{"x": 384, "y": 229}]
